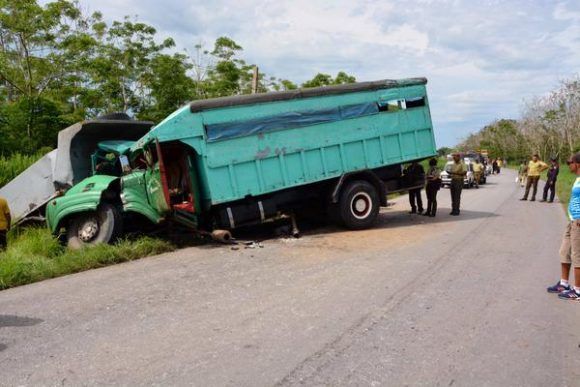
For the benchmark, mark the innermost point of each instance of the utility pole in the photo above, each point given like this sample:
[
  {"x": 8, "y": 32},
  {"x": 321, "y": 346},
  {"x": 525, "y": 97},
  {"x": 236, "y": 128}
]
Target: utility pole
[{"x": 255, "y": 80}]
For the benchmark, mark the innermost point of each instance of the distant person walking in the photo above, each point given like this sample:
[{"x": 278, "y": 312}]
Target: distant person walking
[
  {"x": 5, "y": 221},
  {"x": 551, "y": 180},
  {"x": 433, "y": 185},
  {"x": 494, "y": 167},
  {"x": 457, "y": 170},
  {"x": 522, "y": 173},
  {"x": 570, "y": 249},
  {"x": 415, "y": 173},
  {"x": 499, "y": 165},
  {"x": 535, "y": 168},
  {"x": 477, "y": 172}
]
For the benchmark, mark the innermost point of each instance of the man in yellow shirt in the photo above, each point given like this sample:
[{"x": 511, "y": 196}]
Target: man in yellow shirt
[
  {"x": 5, "y": 220},
  {"x": 535, "y": 168},
  {"x": 477, "y": 172}
]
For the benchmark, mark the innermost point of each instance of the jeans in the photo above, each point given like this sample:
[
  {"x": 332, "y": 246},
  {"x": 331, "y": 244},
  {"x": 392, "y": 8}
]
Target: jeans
[
  {"x": 532, "y": 181},
  {"x": 456, "y": 188},
  {"x": 415, "y": 197}
]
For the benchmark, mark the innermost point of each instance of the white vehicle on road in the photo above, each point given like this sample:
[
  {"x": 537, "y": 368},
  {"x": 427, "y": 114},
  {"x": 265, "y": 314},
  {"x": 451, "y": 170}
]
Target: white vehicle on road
[{"x": 469, "y": 179}]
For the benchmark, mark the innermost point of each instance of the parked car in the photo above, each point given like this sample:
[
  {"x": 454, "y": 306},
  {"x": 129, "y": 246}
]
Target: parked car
[{"x": 468, "y": 181}]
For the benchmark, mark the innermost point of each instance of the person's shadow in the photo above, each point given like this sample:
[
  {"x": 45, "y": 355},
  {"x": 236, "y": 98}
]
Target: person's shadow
[{"x": 7, "y": 320}]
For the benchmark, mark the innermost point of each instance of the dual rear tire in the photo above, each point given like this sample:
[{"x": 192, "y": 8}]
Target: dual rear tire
[{"x": 358, "y": 205}]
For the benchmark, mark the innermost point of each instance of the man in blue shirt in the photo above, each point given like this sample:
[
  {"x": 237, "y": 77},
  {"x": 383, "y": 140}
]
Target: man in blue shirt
[{"x": 570, "y": 250}]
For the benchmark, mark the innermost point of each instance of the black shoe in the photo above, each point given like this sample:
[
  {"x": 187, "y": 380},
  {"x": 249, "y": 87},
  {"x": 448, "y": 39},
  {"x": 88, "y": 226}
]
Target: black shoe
[
  {"x": 550, "y": 201},
  {"x": 543, "y": 201},
  {"x": 420, "y": 211},
  {"x": 524, "y": 199},
  {"x": 532, "y": 200},
  {"x": 432, "y": 215},
  {"x": 426, "y": 214}
]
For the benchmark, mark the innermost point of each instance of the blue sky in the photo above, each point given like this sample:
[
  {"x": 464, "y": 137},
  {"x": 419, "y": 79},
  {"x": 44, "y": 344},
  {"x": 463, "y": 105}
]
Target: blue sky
[{"x": 483, "y": 58}]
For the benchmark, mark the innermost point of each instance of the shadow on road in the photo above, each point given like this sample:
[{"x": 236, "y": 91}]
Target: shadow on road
[{"x": 7, "y": 320}]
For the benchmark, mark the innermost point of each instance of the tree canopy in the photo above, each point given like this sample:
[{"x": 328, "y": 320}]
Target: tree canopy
[{"x": 59, "y": 66}]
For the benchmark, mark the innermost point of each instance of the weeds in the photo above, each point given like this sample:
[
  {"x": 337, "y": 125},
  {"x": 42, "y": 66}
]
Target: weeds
[{"x": 34, "y": 254}]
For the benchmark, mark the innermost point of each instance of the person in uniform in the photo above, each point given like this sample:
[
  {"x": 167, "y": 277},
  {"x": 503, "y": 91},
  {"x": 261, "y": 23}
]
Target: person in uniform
[
  {"x": 570, "y": 249},
  {"x": 535, "y": 168},
  {"x": 551, "y": 180},
  {"x": 477, "y": 172},
  {"x": 457, "y": 170},
  {"x": 5, "y": 221},
  {"x": 415, "y": 173},
  {"x": 433, "y": 185}
]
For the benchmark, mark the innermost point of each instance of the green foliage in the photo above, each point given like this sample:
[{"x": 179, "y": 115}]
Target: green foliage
[
  {"x": 11, "y": 166},
  {"x": 59, "y": 66},
  {"x": 327, "y": 80},
  {"x": 33, "y": 255}
]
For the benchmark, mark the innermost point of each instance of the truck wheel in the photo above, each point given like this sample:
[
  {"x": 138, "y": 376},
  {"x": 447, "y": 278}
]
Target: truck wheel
[
  {"x": 91, "y": 228},
  {"x": 358, "y": 205}
]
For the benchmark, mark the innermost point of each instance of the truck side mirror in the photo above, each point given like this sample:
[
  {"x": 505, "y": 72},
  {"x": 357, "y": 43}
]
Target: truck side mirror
[{"x": 125, "y": 166}]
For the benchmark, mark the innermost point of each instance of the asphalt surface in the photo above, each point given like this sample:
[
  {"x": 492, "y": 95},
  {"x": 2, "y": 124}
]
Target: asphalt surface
[{"x": 450, "y": 301}]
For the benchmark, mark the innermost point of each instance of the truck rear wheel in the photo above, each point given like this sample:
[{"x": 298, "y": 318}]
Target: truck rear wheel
[
  {"x": 91, "y": 228},
  {"x": 358, "y": 205}
]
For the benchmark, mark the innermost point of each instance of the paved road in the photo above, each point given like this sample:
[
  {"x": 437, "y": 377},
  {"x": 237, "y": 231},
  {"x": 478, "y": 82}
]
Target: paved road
[{"x": 415, "y": 301}]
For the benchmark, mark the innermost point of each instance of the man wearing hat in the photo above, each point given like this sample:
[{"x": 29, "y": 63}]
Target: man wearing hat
[
  {"x": 551, "y": 180},
  {"x": 457, "y": 171},
  {"x": 535, "y": 167}
]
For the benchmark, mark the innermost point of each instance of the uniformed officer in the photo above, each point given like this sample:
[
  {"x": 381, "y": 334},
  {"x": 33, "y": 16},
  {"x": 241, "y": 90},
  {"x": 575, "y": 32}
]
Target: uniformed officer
[
  {"x": 433, "y": 185},
  {"x": 457, "y": 170},
  {"x": 477, "y": 172}
]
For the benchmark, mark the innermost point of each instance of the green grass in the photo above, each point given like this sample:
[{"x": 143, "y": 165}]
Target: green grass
[
  {"x": 13, "y": 165},
  {"x": 33, "y": 255},
  {"x": 563, "y": 184}
]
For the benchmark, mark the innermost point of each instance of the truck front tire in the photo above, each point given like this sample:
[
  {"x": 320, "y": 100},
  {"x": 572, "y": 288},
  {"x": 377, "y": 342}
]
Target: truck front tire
[
  {"x": 359, "y": 204},
  {"x": 91, "y": 228}
]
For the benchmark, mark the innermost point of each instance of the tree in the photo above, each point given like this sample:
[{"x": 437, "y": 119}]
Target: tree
[{"x": 321, "y": 79}]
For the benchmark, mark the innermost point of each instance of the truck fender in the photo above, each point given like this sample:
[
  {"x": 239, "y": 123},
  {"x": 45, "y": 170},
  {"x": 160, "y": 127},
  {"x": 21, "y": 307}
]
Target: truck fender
[
  {"x": 367, "y": 175},
  {"x": 83, "y": 197}
]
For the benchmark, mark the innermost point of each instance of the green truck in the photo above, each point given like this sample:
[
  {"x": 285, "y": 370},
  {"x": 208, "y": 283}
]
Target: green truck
[{"x": 235, "y": 161}]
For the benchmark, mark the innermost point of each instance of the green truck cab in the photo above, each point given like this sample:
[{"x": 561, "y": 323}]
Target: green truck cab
[{"x": 235, "y": 161}]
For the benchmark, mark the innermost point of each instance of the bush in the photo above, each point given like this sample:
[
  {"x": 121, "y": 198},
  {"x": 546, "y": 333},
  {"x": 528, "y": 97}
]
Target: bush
[{"x": 13, "y": 165}]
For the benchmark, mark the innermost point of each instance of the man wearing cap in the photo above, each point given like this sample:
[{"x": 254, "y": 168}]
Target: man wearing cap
[
  {"x": 535, "y": 167},
  {"x": 551, "y": 180},
  {"x": 457, "y": 170}
]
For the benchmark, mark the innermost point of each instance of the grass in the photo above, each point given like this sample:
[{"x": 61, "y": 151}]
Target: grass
[
  {"x": 13, "y": 165},
  {"x": 563, "y": 184},
  {"x": 33, "y": 255}
]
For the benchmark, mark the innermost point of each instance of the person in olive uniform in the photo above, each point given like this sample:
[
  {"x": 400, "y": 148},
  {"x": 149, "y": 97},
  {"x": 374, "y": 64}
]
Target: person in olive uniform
[
  {"x": 433, "y": 185},
  {"x": 415, "y": 173},
  {"x": 535, "y": 168},
  {"x": 457, "y": 170},
  {"x": 551, "y": 180}
]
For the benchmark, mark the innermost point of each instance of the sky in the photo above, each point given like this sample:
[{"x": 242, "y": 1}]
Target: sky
[{"x": 483, "y": 58}]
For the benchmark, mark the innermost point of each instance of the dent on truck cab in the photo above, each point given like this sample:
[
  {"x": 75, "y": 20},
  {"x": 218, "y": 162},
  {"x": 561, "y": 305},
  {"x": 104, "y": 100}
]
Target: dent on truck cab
[{"x": 82, "y": 197}]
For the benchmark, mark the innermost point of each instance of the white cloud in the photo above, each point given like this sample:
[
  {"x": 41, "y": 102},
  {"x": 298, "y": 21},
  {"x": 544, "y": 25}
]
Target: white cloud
[{"x": 481, "y": 57}]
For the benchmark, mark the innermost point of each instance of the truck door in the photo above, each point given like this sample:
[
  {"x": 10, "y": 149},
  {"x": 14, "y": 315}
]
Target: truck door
[{"x": 156, "y": 182}]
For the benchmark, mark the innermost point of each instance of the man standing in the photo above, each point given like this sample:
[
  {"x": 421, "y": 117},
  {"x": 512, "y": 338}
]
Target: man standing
[
  {"x": 433, "y": 185},
  {"x": 551, "y": 180},
  {"x": 416, "y": 174},
  {"x": 5, "y": 220},
  {"x": 535, "y": 167},
  {"x": 570, "y": 249},
  {"x": 477, "y": 172},
  {"x": 457, "y": 170}
]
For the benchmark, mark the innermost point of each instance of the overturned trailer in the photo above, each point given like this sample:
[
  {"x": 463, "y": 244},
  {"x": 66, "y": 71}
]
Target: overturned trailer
[{"x": 70, "y": 163}]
